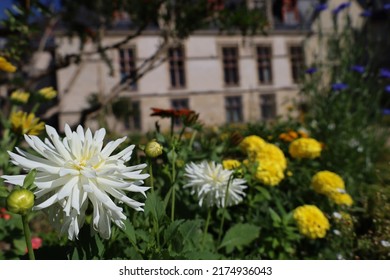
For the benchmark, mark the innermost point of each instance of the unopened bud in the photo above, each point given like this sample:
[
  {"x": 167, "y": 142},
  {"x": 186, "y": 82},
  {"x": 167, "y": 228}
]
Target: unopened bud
[
  {"x": 20, "y": 201},
  {"x": 153, "y": 149},
  {"x": 236, "y": 138},
  {"x": 190, "y": 119}
]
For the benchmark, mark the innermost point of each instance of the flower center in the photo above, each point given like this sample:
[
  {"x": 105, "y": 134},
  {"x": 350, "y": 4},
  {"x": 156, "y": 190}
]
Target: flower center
[{"x": 80, "y": 164}]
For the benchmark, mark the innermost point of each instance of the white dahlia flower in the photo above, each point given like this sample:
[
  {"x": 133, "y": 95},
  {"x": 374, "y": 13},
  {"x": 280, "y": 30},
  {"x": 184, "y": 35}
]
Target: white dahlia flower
[
  {"x": 210, "y": 181},
  {"x": 75, "y": 172}
]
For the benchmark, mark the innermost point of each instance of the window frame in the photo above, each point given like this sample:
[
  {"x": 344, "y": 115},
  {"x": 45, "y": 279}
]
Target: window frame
[
  {"x": 266, "y": 104},
  {"x": 183, "y": 100},
  {"x": 297, "y": 66},
  {"x": 230, "y": 109},
  {"x": 261, "y": 64},
  {"x": 230, "y": 67},
  {"x": 175, "y": 70},
  {"x": 129, "y": 65}
]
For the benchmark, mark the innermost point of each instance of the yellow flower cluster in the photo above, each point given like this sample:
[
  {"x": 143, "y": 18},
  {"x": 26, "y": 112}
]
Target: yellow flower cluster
[
  {"x": 23, "y": 123},
  {"x": 270, "y": 159},
  {"x": 311, "y": 222},
  {"x": 305, "y": 148},
  {"x": 6, "y": 66},
  {"x": 269, "y": 173},
  {"x": 20, "y": 96},
  {"x": 332, "y": 185},
  {"x": 230, "y": 164},
  {"x": 252, "y": 144},
  {"x": 47, "y": 93}
]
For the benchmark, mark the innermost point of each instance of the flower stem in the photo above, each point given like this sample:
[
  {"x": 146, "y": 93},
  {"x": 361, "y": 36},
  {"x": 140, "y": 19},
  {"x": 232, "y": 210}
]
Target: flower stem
[
  {"x": 192, "y": 139},
  {"x": 224, "y": 208},
  {"x": 206, "y": 227},
  {"x": 173, "y": 189},
  {"x": 27, "y": 235},
  {"x": 151, "y": 175},
  {"x": 173, "y": 203}
]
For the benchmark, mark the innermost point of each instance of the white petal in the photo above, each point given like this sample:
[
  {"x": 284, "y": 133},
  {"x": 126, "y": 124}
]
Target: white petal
[
  {"x": 111, "y": 146},
  {"x": 29, "y": 164},
  {"x": 48, "y": 202},
  {"x": 66, "y": 190}
]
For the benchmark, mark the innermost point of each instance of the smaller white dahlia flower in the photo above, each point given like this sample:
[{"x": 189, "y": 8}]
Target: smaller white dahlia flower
[{"x": 210, "y": 181}]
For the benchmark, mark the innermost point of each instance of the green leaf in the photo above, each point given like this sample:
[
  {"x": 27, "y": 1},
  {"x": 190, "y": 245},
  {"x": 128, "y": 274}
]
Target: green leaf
[
  {"x": 274, "y": 216},
  {"x": 130, "y": 232},
  {"x": 264, "y": 192},
  {"x": 154, "y": 206},
  {"x": 190, "y": 229},
  {"x": 29, "y": 180},
  {"x": 99, "y": 246},
  {"x": 3, "y": 191},
  {"x": 239, "y": 235},
  {"x": 171, "y": 230}
]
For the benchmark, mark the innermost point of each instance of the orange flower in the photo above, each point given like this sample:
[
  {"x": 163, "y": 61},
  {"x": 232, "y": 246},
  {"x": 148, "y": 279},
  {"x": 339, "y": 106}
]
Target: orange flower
[{"x": 169, "y": 113}]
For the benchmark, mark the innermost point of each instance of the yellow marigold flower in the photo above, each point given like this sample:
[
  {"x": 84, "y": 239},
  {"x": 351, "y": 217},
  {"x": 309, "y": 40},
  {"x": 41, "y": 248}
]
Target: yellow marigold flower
[
  {"x": 6, "y": 66},
  {"x": 230, "y": 164},
  {"x": 341, "y": 198},
  {"x": 252, "y": 144},
  {"x": 269, "y": 173},
  {"x": 311, "y": 222},
  {"x": 289, "y": 173},
  {"x": 48, "y": 93},
  {"x": 272, "y": 153},
  {"x": 23, "y": 123},
  {"x": 20, "y": 96},
  {"x": 305, "y": 148},
  {"x": 326, "y": 182}
]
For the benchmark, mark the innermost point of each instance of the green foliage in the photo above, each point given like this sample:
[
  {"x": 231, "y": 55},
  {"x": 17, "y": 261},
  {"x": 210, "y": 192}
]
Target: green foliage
[{"x": 238, "y": 236}]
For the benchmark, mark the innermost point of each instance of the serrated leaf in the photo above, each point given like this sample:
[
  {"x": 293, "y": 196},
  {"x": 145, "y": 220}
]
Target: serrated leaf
[
  {"x": 130, "y": 232},
  {"x": 154, "y": 207},
  {"x": 189, "y": 229},
  {"x": 171, "y": 230},
  {"x": 239, "y": 235}
]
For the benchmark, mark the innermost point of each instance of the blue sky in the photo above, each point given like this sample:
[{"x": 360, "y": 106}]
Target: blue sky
[{"x": 4, "y": 4}]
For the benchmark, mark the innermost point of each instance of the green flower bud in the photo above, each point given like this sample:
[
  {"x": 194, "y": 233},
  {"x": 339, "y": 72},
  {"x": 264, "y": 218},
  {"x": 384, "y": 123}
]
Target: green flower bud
[
  {"x": 153, "y": 149},
  {"x": 20, "y": 201}
]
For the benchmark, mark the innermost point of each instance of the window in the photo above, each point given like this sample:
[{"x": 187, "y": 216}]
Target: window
[
  {"x": 176, "y": 67},
  {"x": 128, "y": 67},
  {"x": 268, "y": 106},
  {"x": 230, "y": 66},
  {"x": 297, "y": 62},
  {"x": 233, "y": 106},
  {"x": 133, "y": 121},
  {"x": 178, "y": 104},
  {"x": 264, "y": 67}
]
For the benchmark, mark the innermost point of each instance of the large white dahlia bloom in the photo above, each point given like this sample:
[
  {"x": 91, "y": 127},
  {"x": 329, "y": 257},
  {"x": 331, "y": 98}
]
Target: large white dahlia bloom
[
  {"x": 211, "y": 182},
  {"x": 76, "y": 172}
]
